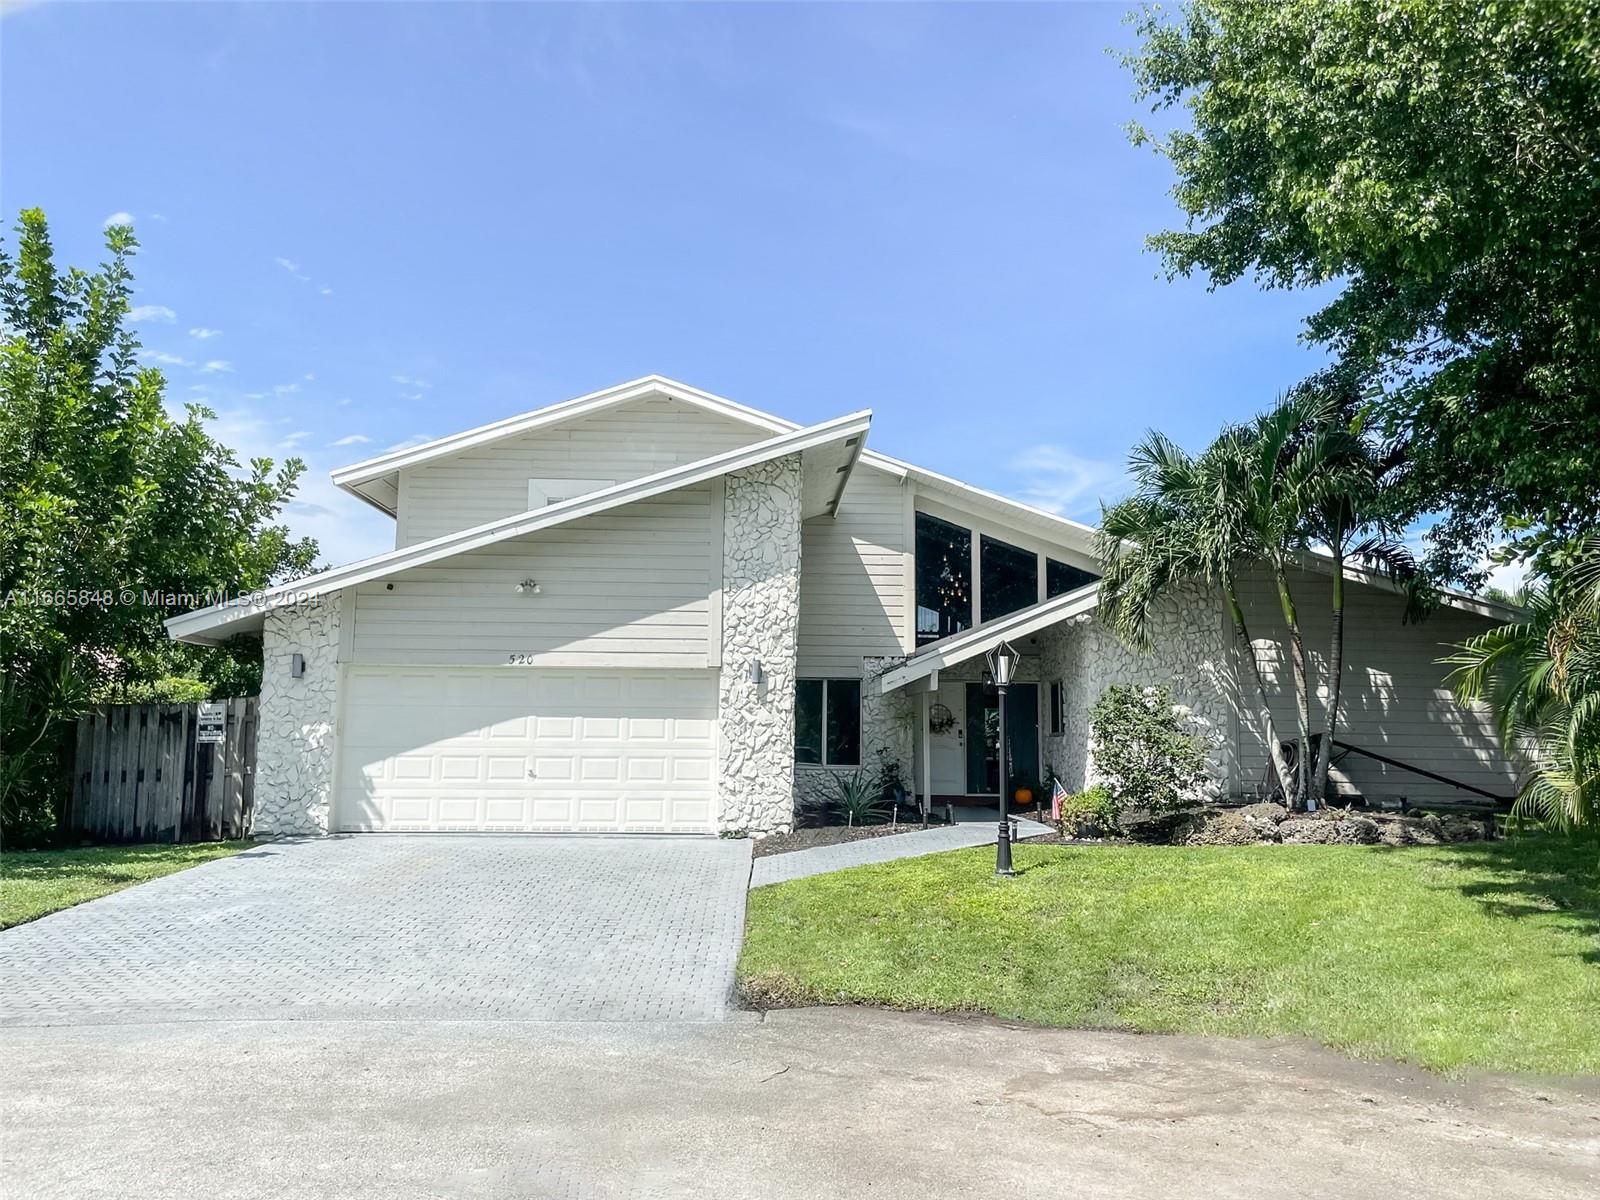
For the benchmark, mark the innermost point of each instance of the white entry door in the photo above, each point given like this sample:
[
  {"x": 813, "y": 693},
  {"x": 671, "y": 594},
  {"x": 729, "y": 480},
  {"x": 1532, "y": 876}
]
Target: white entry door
[
  {"x": 947, "y": 753},
  {"x": 505, "y": 749}
]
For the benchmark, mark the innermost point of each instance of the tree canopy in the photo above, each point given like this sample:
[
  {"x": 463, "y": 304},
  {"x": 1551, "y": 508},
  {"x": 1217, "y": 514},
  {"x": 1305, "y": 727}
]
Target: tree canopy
[
  {"x": 107, "y": 505},
  {"x": 1438, "y": 163}
]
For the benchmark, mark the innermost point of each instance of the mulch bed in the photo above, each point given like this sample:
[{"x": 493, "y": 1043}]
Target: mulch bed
[{"x": 831, "y": 835}]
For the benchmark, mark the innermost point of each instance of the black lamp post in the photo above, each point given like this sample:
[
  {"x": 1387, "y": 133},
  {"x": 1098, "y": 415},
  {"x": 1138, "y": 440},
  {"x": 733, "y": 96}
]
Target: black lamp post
[{"x": 1003, "y": 665}]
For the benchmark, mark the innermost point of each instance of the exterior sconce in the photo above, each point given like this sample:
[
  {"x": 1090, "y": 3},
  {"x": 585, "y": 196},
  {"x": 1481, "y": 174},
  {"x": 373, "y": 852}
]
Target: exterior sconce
[
  {"x": 297, "y": 666},
  {"x": 753, "y": 672}
]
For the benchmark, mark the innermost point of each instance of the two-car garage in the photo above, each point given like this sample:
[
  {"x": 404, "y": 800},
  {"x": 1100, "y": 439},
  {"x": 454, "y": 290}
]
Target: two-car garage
[{"x": 506, "y": 749}]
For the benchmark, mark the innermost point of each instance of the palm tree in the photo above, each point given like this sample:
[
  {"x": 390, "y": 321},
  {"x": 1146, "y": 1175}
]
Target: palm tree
[
  {"x": 1541, "y": 675},
  {"x": 1299, "y": 476},
  {"x": 1182, "y": 525}
]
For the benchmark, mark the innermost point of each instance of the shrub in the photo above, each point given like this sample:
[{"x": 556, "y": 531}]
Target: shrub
[
  {"x": 1094, "y": 807},
  {"x": 169, "y": 689},
  {"x": 859, "y": 799},
  {"x": 1144, "y": 748}
]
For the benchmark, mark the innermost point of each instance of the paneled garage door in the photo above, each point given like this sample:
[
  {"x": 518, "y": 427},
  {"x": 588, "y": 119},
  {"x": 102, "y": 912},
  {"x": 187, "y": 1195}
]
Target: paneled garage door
[{"x": 527, "y": 750}]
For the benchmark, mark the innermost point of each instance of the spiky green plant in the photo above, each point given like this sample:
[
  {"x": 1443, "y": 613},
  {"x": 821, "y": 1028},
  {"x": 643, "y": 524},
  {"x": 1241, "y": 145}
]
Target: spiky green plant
[
  {"x": 859, "y": 799},
  {"x": 1541, "y": 676}
]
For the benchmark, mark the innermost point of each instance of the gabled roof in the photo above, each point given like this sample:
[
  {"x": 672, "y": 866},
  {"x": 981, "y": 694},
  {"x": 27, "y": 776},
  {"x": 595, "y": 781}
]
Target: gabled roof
[
  {"x": 828, "y": 451},
  {"x": 980, "y": 639},
  {"x": 375, "y": 480}
]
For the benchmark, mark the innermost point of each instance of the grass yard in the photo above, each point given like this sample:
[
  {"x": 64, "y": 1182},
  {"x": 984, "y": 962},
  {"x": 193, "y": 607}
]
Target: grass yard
[
  {"x": 1481, "y": 956},
  {"x": 36, "y": 882}
]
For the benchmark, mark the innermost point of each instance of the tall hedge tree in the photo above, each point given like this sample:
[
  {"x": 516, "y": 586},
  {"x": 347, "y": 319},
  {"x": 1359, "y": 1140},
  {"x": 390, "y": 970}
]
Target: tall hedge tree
[
  {"x": 1438, "y": 163},
  {"x": 104, "y": 497}
]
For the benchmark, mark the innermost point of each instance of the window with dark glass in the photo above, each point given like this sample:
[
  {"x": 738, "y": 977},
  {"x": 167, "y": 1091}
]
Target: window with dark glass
[
  {"x": 1060, "y": 578},
  {"x": 1010, "y": 578},
  {"x": 808, "y": 721},
  {"x": 944, "y": 578},
  {"x": 844, "y": 722},
  {"x": 827, "y": 722},
  {"x": 1058, "y": 708}
]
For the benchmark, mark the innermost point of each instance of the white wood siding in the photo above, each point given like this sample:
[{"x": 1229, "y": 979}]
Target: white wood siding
[
  {"x": 853, "y": 578},
  {"x": 1394, "y": 700},
  {"x": 627, "y": 587},
  {"x": 622, "y": 443}
]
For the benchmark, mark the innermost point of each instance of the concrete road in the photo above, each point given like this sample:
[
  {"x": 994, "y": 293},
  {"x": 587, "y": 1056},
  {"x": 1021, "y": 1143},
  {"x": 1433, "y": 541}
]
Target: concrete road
[{"x": 814, "y": 1103}]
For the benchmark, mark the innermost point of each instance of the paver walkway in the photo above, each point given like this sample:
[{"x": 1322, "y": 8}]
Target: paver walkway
[
  {"x": 797, "y": 864},
  {"x": 382, "y": 926}
]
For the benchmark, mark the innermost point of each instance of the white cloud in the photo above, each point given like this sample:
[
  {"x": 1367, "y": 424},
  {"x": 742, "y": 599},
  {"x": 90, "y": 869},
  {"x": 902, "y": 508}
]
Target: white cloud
[
  {"x": 309, "y": 376},
  {"x": 162, "y": 359},
  {"x": 326, "y": 291},
  {"x": 411, "y": 395},
  {"x": 416, "y": 439},
  {"x": 295, "y": 438},
  {"x": 410, "y": 381},
  {"x": 152, "y": 312},
  {"x": 216, "y": 365},
  {"x": 204, "y": 334},
  {"x": 157, "y": 217},
  {"x": 118, "y": 218},
  {"x": 352, "y": 439},
  {"x": 1057, "y": 480},
  {"x": 285, "y": 389},
  {"x": 289, "y": 265}
]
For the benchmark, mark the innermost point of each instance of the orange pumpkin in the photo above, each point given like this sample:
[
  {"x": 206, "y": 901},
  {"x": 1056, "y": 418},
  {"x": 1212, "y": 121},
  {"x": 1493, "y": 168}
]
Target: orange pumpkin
[{"x": 1023, "y": 796}]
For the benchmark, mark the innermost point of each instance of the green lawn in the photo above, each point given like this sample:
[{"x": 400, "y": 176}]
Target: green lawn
[
  {"x": 1481, "y": 956},
  {"x": 36, "y": 882}
]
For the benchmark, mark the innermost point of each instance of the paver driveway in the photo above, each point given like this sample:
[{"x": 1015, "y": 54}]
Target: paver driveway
[{"x": 509, "y": 928}]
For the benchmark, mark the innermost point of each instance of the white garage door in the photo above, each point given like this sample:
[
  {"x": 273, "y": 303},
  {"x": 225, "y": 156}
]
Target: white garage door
[{"x": 527, "y": 750}]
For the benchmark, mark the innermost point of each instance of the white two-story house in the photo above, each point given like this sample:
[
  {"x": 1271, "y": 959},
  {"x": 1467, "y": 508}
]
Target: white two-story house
[{"x": 650, "y": 609}]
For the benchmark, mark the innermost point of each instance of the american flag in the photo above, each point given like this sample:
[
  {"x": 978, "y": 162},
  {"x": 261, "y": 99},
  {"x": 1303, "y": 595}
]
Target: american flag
[{"x": 1057, "y": 795}]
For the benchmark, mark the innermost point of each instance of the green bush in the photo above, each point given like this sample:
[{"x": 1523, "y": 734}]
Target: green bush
[
  {"x": 1144, "y": 748},
  {"x": 1095, "y": 807},
  {"x": 169, "y": 689}
]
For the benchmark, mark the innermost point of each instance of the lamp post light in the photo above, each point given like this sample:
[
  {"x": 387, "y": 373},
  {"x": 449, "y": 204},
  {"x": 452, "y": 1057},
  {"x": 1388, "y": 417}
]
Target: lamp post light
[{"x": 1003, "y": 665}]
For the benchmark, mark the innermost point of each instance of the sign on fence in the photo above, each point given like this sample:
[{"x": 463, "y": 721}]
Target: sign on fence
[
  {"x": 164, "y": 772},
  {"x": 213, "y": 723}
]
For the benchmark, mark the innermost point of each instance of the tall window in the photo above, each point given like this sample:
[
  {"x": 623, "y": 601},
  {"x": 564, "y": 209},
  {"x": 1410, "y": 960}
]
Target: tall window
[
  {"x": 1060, "y": 578},
  {"x": 1058, "y": 707},
  {"x": 1010, "y": 578},
  {"x": 944, "y": 578},
  {"x": 827, "y": 722}
]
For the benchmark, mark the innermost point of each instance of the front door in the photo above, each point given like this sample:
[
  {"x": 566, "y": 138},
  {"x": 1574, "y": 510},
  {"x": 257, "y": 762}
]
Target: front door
[
  {"x": 947, "y": 749},
  {"x": 983, "y": 736}
]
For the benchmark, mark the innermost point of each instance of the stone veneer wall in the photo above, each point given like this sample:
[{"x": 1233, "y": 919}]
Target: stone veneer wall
[
  {"x": 294, "y": 738},
  {"x": 1190, "y": 653},
  {"x": 760, "y": 623}
]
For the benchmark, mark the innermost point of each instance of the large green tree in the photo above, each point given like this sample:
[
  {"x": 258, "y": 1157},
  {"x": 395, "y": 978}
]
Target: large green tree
[
  {"x": 1434, "y": 164},
  {"x": 106, "y": 502}
]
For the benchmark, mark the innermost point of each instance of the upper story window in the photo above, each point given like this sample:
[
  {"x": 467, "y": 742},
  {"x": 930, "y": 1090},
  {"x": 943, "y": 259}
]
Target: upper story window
[
  {"x": 1060, "y": 578},
  {"x": 553, "y": 491},
  {"x": 1010, "y": 578},
  {"x": 944, "y": 578}
]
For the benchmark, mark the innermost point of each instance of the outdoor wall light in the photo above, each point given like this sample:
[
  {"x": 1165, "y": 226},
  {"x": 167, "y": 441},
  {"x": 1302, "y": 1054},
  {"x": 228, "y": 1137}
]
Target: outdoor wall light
[
  {"x": 528, "y": 587},
  {"x": 297, "y": 666},
  {"x": 753, "y": 672}
]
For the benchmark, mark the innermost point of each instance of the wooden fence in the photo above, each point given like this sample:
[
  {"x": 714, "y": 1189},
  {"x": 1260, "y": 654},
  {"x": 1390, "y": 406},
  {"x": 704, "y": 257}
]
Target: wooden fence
[{"x": 142, "y": 775}]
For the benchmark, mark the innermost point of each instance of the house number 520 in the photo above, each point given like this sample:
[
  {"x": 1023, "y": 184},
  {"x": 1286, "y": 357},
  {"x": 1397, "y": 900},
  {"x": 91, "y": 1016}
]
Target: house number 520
[{"x": 521, "y": 660}]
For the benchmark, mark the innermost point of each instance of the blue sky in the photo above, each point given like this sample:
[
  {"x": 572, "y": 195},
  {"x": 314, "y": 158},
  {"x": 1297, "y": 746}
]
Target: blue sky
[{"x": 364, "y": 224}]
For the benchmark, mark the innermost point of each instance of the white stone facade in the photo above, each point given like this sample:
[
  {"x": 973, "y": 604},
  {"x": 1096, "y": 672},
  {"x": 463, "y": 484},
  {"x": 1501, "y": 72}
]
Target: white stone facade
[
  {"x": 760, "y": 624},
  {"x": 1190, "y": 653},
  {"x": 295, "y": 737}
]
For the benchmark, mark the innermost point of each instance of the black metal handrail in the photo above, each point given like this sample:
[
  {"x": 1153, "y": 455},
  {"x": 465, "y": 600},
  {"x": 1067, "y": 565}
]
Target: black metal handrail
[{"x": 1424, "y": 772}]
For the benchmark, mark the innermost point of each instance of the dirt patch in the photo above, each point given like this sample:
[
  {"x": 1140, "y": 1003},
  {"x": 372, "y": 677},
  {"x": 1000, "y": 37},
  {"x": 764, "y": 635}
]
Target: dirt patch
[{"x": 829, "y": 835}]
